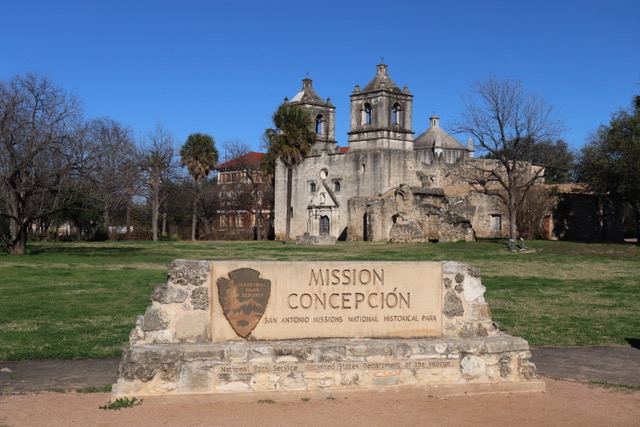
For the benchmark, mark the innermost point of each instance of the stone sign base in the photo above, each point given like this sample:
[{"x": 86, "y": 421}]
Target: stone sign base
[{"x": 492, "y": 364}]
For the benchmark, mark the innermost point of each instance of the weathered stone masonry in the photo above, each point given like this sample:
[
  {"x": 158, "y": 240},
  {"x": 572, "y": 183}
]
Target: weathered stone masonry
[{"x": 172, "y": 351}]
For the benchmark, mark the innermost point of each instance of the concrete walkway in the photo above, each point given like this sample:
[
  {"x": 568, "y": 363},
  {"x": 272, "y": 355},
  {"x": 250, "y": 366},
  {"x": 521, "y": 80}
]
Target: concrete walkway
[{"x": 612, "y": 364}]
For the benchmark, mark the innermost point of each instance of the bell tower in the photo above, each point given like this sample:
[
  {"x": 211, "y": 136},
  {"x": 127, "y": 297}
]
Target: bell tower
[
  {"x": 381, "y": 115},
  {"x": 323, "y": 115}
]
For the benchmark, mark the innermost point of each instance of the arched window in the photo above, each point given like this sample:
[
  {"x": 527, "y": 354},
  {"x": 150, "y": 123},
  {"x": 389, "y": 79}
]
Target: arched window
[
  {"x": 336, "y": 186},
  {"x": 319, "y": 124},
  {"x": 395, "y": 114},
  {"x": 367, "y": 114},
  {"x": 312, "y": 187},
  {"x": 324, "y": 225}
]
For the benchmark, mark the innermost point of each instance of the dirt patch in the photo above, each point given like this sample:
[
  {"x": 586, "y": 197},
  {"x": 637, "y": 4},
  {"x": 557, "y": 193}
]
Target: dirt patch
[{"x": 564, "y": 403}]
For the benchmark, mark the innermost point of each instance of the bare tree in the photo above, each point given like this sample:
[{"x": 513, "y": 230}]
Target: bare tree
[
  {"x": 506, "y": 122},
  {"x": 114, "y": 176},
  {"x": 42, "y": 154},
  {"x": 158, "y": 164}
]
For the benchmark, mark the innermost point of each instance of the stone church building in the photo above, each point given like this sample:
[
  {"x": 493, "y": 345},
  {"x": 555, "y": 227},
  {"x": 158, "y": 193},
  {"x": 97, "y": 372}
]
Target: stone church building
[{"x": 387, "y": 185}]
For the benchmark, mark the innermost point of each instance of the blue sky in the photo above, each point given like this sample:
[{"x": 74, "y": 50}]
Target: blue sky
[{"x": 223, "y": 68}]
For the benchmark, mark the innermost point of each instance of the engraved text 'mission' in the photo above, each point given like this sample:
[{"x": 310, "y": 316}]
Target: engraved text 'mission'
[{"x": 346, "y": 277}]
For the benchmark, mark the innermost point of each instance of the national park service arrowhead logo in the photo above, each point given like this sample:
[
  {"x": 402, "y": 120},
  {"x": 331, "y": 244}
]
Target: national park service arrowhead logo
[{"x": 243, "y": 297}]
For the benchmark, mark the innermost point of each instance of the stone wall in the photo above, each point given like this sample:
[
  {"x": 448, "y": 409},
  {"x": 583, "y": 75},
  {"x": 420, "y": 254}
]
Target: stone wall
[{"x": 407, "y": 214}]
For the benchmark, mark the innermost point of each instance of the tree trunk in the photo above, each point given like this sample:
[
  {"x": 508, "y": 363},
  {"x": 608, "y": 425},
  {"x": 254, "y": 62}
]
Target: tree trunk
[
  {"x": 513, "y": 216},
  {"x": 128, "y": 221},
  {"x": 164, "y": 222},
  {"x": 636, "y": 212},
  {"x": 289, "y": 190},
  {"x": 155, "y": 211},
  {"x": 258, "y": 226},
  {"x": 193, "y": 218},
  {"x": 106, "y": 218},
  {"x": 18, "y": 243}
]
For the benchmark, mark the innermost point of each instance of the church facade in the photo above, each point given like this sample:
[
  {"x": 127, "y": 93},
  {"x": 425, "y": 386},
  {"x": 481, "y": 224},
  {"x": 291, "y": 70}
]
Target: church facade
[{"x": 387, "y": 185}]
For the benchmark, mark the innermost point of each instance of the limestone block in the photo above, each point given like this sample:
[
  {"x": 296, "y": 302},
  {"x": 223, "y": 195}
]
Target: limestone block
[
  {"x": 236, "y": 354},
  {"x": 452, "y": 305},
  {"x": 194, "y": 379},
  {"x": 473, "y": 290},
  {"x": 479, "y": 311},
  {"x": 473, "y": 367},
  {"x": 453, "y": 267},
  {"x": 287, "y": 359},
  {"x": 192, "y": 327},
  {"x": 292, "y": 381},
  {"x": 151, "y": 354},
  {"x": 437, "y": 375},
  {"x": 493, "y": 374},
  {"x": 263, "y": 350},
  {"x": 188, "y": 272},
  {"x": 408, "y": 377},
  {"x": 202, "y": 352},
  {"x": 200, "y": 298},
  {"x": 399, "y": 349},
  {"x": 155, "y": 319},
  {"x": 158, "y": 337},
  {"x": 167, "y": 294},
  {"x": 331, "y": 353},
  {"x": 365, "y": 349},
  {"x": 505, "y": 344},
  {"x": 321, "y": 380},
  {"x": 264, "y": 382},
  {"x": 527, "y": 370},
  {"x": 355, "y": 378},
  {"x": 301, "y": 352},
  {"x": 440, "y": 348}
]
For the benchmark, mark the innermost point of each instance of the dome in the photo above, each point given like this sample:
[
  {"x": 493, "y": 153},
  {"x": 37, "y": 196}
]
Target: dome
[
  {"x": 307, "y": 95},
  {"x": 436, "y": 137}
]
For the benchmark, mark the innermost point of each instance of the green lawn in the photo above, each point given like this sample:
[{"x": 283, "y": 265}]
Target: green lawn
[{"x": 80, "y": 300}]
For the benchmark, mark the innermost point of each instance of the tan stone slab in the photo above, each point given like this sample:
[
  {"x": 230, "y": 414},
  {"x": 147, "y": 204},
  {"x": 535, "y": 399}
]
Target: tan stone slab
[
  {"x": 439, "y": 390},
  {"x": 295, "y": 300}
]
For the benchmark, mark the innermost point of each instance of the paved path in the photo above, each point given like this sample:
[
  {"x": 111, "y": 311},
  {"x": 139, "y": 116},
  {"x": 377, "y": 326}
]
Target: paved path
[{"x": 612, "y": 364}]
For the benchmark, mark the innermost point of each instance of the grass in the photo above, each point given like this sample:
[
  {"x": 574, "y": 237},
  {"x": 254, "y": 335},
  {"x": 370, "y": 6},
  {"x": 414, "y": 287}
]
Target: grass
[
  {"x": 80, "y": 300},
  {"x": 621, "y": 388}
]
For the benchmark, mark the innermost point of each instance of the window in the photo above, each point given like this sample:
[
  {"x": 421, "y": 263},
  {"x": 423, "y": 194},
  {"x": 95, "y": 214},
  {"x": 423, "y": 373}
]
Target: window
[
  {"x": 367, "y": 114},
  {"x": 324, "y": 225},
  {"x": 319, "y": 124},
  {"x": 395, "y": 114},
  {"x": 496, "y": 222},
  {"x": 336, "y": 186},
  {"x": 312, "y": 187}
]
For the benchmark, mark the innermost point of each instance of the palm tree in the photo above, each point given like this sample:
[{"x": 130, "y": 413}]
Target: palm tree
[
  {"x": 636, "y": 103},
  {"x": 290, "y": 142},
  {"x": 199, "y": 155}
]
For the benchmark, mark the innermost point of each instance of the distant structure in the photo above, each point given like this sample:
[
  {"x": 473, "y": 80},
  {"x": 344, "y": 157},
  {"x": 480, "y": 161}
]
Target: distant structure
[
  {"x": 386, "y": 185},
  {"x": 245, "y": 199}
]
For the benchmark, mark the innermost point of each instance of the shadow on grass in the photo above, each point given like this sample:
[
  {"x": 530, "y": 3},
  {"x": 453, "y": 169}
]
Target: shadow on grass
[
  {"x": 85, "y": 251},
  {"x": 634, "y": 342}
]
